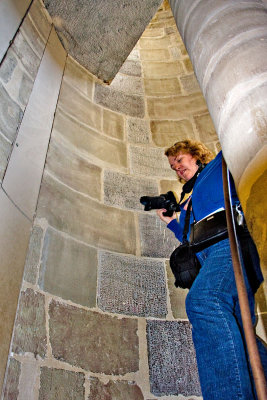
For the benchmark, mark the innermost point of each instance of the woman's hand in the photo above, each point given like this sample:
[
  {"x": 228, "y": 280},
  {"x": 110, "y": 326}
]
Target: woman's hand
[{"x": 165, "y": 219}]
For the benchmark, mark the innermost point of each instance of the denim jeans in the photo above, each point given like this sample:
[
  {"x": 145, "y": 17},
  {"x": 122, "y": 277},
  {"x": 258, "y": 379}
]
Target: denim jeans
[{"x": 213, "y": 309}]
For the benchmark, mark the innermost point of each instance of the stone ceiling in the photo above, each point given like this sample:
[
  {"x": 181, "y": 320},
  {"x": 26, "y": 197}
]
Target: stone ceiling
[{"x": 100, "y": 34}]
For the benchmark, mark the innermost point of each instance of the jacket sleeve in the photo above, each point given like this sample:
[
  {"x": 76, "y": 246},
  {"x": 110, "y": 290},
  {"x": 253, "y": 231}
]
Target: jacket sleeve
[{"x": 176, "y": 228}]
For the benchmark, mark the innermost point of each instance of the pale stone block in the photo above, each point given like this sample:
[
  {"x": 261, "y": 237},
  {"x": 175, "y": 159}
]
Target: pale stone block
[
  {"x": 113, "y": 124},
  {"x": 151, "y": 33},
  {"x": 161, "y": 69},
  {"x": 176, "y": 107},
  {"x": 119, "y": 390},
  {"x": 85, "y": 219},
  {"x": 33, "y": 256},
  {"x": 30, "y": 329},
  {"x": 40, "y": 19},
  {"x": 205, "y": 128},
  {"x": 166, "y": 133},
  {"x": 61, "y": 384},
  {"x": 189, "y": 84},
  {"x": 162, "y": 86},
  {"x": 73, "y": 170},
  {"x": 29, "y": 380},
  {"x": 124, "y": 191},
  {"x": 68, "y": 269},
  {"x": 5, "y": 149},
  {"x": 89, "y": 143},
  {"x": 156, "y": 240},
  {"x": 27, "y": 56},
  {"x": 149, "y": 161},
  {"x": 154, "y": 55},
  {"x": 11, "y": 14},
  {"x": 79, "y": 106},
  {"x": 95, "y": 342},
  {"x": 75, "y": 75},
  {"x": 138, "y": 130},
  {"x": 127, "y": 84},
  {"x": 174, "y": 186},
  {"x": 10, "y": 115},
  {"x": 14, "y": 237},
  {"x": 132, "y": 286},
  {"x": 155, "y": 43},
  {"x": 25, "y": 168},
  {"x": 132, "y": 105}
]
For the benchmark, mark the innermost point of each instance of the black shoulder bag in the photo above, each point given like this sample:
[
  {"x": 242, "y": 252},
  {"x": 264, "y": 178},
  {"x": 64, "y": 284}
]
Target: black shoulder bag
[{"x": 183, "y": 261}]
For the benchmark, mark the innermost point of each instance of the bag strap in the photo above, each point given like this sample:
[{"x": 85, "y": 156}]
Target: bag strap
[{"x": 187, "y": 220}]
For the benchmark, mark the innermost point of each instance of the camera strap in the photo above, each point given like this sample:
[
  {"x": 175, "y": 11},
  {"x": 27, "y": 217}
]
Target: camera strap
[{"x": 188, "y": 186}]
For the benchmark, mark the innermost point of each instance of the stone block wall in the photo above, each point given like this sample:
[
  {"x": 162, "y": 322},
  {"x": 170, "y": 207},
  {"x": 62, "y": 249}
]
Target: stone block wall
[{"x": 98, "y": 314}]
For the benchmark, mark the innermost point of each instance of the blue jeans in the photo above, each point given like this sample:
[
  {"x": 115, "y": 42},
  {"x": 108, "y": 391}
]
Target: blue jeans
[{"x": 213, "y": 309}]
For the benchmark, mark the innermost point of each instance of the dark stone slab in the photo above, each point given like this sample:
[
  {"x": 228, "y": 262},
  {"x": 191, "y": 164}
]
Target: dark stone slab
[
  {"x": 93, "y": 341},
  {"x": 10, "y": 115},
  {"x": 68, "y": 269},
  {"x": 132, "y": 286},
  {"x": 11, "y": 388},
  {"x": 124, "y": 191},
  {"x": 33, "y": 255},
  {"x": 171, "y": 355},
  {"x": 132, "y": 105},
  {"x": 61, "y": 384},
  {"x": 156, "y": 239},
  {"x": 119, "y": 390},
  {"x": 30, "y": 331}
]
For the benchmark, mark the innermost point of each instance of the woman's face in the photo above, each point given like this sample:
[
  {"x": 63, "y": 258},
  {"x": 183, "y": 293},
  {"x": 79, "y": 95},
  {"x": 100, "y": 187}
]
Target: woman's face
[{"x": 184, "y": 165}]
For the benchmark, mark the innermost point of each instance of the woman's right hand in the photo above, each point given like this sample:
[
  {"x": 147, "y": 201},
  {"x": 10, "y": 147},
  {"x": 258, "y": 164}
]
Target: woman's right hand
[{"x": 165, "y": 219}]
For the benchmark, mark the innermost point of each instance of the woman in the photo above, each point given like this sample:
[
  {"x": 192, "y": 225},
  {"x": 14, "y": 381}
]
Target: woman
[{"x": 212, "y": 302}]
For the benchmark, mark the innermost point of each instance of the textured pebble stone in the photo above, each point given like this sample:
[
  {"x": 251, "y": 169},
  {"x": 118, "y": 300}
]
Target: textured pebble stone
[
  {"x": 128, "y": 84},
  {"x": 33, "y": 255},
  {"x": 11, "y": 387},
  {"x": 119, "y": 390},
  {"x": 131, "y": 68},
  {"x": 132, "y": 286},
  {"x": 30, "y": 331},
  {"x": 124, "y": 191},
  {"x": 68, "y": 269},
  {"x": 61, "y": 384},
  {"x": 115, "y": 100},
  {"x": 138, "y": 130},
  {"x": 93, "y": 341},
  {"x": 172, "y": 363},
  {"x": 156, "y": 239}
]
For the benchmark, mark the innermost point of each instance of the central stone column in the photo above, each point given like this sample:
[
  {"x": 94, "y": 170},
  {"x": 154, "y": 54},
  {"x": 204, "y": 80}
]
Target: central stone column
[{"x": 227, "y": 44}]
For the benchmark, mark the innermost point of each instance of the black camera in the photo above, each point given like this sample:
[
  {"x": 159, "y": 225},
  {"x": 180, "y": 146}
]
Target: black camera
[{"x": 167, "y": 201}]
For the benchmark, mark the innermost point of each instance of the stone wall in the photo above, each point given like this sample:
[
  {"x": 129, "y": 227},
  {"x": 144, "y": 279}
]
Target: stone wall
[{"x": 98, "y": 314}]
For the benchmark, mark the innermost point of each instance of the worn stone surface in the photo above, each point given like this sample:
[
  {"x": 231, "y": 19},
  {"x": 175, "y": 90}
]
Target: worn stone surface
[
  {"x": 174, "y": 185},
  {"x": 10, "y": 115},
  {"x": 154, "y": 55},
  {"x": 176, "y": 107},
  {"x": 189, "y": 84},
  {"x": 33, "y": 255},
  {"x": 29, "y": 331},
  {"x": 85, "y": 218},
  {"x": 205, "y": 128},
  {"x": 171, "y": 355},
  {"x": 131, "y": 68},
  {"x": 161, "y": 87},
  {"x": 5, "y": 149},
  {"x": 124, "y": 191},
  {"x": 166, "y": 132},
  {"x": 149, "y": 161},
  {"x": 177, "y": 296},
  {"x": 138, "y": 130},
  {"x": 113, "y": 124},
  {"x": 132, "y": 105},
  {"x": 79, "y": 106},
  {"x": 130, "y": 85},
  {"x": 75, "y": 75},
  {"x": 88, "y": 142},
  {"x": 156, "y": 239},
  {"x": 11, "y": 388},
  {"x": 68, "y": 269},
  {"x": 154, "y": 43},
  {"x": 31, "y": 31},
  {"x": 119, "y": 390},
  {"x": 61, "y": 384},
  {"x": 96, "y": 39},
  {"x": 93, "y": 341},
  {"x": 73, "y": 170},
  {"x": 161, "y": 69},
  {"x": 132, "y": 286},
  {"x": 26, "y": 54}
]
